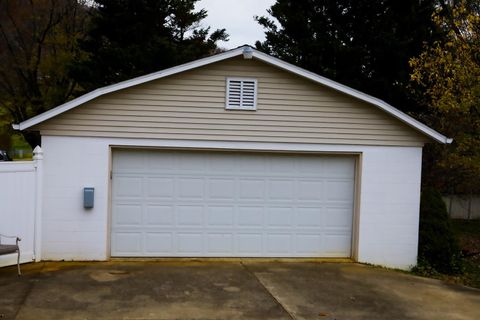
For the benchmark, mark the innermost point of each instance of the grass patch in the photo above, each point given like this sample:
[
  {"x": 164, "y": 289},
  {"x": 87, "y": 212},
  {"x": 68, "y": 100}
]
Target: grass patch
[{"x": 20, "y": 149}]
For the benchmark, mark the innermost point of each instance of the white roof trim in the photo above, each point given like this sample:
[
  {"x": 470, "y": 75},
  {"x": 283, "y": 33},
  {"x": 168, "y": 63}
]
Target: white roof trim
[{"x": 226, "y": 55}]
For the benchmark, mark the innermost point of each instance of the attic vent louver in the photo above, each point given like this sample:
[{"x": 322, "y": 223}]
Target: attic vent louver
[{"x": 241, "y": 94}]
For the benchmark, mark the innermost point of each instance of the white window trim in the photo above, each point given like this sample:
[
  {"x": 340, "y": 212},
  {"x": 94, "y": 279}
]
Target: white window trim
[{"x": 230, "y": 107}]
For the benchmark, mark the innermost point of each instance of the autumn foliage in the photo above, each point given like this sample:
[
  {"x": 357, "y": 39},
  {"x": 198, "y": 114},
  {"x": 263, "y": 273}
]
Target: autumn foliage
[{"x": 446, "y": 81}]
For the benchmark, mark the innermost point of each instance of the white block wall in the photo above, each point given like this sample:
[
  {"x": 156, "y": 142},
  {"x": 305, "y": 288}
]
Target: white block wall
[
  {"x": 71, "y": 232},
  {"x": 388, "y": 209},
  {"x": 389, "y": 206}
]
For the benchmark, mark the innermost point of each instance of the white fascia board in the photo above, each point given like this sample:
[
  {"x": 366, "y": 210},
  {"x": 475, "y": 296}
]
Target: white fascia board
[
  {"x": 123, "y": 85},
  {"x": 227, "y": 55}
]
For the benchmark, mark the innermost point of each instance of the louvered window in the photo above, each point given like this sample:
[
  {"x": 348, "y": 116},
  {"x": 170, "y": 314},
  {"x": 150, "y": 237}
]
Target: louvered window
[{"x": 241, "y": 94}]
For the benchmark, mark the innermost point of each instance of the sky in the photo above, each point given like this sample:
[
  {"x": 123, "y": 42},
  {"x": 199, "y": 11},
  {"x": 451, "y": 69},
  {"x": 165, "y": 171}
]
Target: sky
[{"x": 237, "y": 17}]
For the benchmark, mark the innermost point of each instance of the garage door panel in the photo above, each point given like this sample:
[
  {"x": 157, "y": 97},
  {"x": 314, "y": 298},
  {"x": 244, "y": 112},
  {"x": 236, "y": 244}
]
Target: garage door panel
[
  {"x": 283, "y": 165},
  {"x": 128, "y": 187},
  {"x": 190, "y": 243},
  {"x": 339, "y": 190},
  {"x": 131, "y": 162},
  {"x": 222, "y": 163},
  {"x": 220, "y": 244},
  {"x": 308, "y": 166},
  {"x": 250, "y": 216},
  {"x": 190, "y": 215},
  {"x": 252, "y": 164},
  {"x": 127, "y": 242},
  {"x": 279, "y": 217},
  {"x": 160, "y": 215},
  {"x": 278, "y": 243},
  {"x": 311, "y": 190},
  {"x": 160, "y": 161},
  {"x": 338, "y": 218},
  {"x": 128, "y": 214},
  {"x": 160, "y": 187},
  {"x": 281, "y": 190},
  {"x": 334, "y": 244},
  {"x": 192, "y": 162},
  {"x": 340, "y": 167},
  {"x": 251, "y": 189},
  {"x": 178, "y": 203},
  {"x": 309, "y": 217},
  {"x": 191, "y": 188},
  {"x": 221, "y": 188},
  {"x": 249, "y": 244},
  {"x": 220, "y": 216},
  {"x": 158, "y": 243},
  {"x": 309, "y": 244}
]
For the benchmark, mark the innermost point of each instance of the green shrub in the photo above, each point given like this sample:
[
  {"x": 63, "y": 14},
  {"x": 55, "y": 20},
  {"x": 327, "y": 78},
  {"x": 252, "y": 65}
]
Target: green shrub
[{"x": 438, "y": 248}]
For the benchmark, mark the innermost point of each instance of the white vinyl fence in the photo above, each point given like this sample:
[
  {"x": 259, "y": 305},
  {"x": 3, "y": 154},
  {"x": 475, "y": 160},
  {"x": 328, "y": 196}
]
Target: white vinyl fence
[
  {"x": 463, "y": 207},
  {"x": 20, "y": 206}
]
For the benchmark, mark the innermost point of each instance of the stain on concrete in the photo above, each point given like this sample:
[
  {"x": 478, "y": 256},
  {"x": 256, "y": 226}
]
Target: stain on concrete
[
  {"x": 108, "y": 275},
  {"x": 148, "y": 291},
  {"x": 13, "y": 291},
  {"x": 195, "y": 290}
]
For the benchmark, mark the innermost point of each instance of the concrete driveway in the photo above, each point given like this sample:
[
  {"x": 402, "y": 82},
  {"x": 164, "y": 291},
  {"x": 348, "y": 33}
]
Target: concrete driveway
[{"x": 196, "y": 290}]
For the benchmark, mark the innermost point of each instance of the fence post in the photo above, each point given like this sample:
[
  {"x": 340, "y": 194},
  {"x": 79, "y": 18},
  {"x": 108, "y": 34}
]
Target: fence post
[
  {"x": 450, "y": 206},
  {"x": 38, "y": 163},
  {"x": 470, "y": 207}
]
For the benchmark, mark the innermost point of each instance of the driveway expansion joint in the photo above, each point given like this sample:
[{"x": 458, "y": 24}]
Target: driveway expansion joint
[{"x": 266, "y": 289}]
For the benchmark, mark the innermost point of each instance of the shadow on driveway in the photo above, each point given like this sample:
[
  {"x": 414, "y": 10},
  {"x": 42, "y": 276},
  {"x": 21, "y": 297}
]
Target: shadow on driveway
[{"x": 196, "y": 290}]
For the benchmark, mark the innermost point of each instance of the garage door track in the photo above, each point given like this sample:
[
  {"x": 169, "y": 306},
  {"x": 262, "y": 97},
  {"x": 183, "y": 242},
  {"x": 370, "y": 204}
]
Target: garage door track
[{"x": 242, "y": 290}]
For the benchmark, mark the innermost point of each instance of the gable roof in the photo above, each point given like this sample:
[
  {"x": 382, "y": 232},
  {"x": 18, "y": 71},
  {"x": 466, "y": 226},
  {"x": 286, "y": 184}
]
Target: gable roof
[{"x": 248, "y": 52}]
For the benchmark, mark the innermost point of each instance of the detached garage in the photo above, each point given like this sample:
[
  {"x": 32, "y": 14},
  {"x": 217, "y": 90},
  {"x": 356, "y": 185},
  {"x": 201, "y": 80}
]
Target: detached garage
[{"x": 235, "y": 155}]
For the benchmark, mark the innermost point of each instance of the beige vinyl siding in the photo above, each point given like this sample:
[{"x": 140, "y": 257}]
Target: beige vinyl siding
[{"x": 191, "y": 105}]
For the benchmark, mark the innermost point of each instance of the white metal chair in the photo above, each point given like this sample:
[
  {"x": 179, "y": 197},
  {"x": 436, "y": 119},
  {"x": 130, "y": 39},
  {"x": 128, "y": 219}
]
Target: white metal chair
[{"x": 11, "y": 248}]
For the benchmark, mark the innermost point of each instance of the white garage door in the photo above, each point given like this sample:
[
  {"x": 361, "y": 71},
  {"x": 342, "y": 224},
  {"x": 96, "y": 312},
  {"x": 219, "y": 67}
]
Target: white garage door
[{"x": 216, "y": 204}]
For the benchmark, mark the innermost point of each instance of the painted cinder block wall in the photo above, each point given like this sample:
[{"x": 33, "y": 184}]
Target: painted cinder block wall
[{"x": 388, "y": 208}]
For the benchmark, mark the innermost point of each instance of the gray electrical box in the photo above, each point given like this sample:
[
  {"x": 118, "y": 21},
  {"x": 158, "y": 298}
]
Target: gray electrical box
[{"x": 88, "y": 196}]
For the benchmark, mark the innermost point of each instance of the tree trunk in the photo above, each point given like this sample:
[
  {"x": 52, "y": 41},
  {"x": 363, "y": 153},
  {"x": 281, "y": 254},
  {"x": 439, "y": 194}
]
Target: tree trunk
[{"x": 33, "y": 138}]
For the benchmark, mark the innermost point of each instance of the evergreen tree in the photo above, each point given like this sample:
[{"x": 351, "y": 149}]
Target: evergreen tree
[
  {"x": 438, "y": 247},
  {"x": 364, "y": 44},
  {"x": 129, "y": 38}
]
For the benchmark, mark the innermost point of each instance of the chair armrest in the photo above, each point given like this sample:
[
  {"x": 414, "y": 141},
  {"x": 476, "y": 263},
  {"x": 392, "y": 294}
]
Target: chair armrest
[{"x": 17, "y": 239}]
